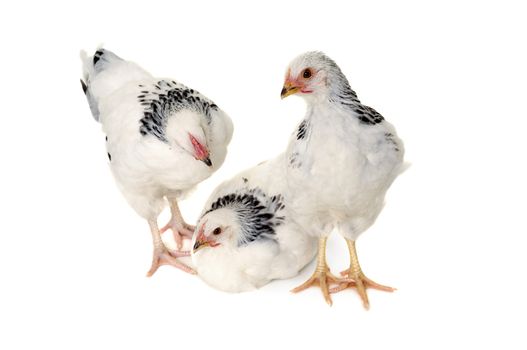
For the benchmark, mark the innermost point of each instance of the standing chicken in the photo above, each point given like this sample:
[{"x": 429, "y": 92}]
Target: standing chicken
[
  {"x": 162, "y": 139},
  {"x": 341, "y": 161},
  {"x": 245, "y": 237}
]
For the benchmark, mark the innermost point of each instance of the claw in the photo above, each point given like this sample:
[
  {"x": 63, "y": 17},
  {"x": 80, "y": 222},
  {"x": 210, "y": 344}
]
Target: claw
[
  {"x": 357, "y": 279},
  {"x": 162, "y": 256},
  {"x": 165, "y": 258},
  {"x": 179, "y": 253},
  {"x": 179, "y": 227},
  {"x": 321, "y": 276}
]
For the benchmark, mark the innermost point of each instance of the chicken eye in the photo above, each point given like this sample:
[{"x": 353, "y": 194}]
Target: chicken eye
[
  {"x": 307, "y": 73},
  {"x": 216, "y": 231}
]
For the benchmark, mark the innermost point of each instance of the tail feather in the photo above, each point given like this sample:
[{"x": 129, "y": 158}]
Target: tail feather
[
  {"x": 92, "y": 102},
  {"x": 84, "y": 86},
  {"x": 97, "y": 56},
  {"x": 103, "y": 59},
  {"x": 105, "y": 72}
]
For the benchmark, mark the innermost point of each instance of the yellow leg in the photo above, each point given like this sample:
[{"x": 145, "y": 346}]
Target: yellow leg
[
  {"x": 161, "y": 254},
  {"x": 356, "y": 278},
  {"x": 322, "y": 275}
]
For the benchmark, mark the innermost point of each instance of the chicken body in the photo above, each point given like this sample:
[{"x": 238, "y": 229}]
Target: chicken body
[
  {"x": 340, "y": 162},
  {"x": 245, "y": 237},
  {"x": 338, "y": 172},
  {"x": 162, "y": 139}
]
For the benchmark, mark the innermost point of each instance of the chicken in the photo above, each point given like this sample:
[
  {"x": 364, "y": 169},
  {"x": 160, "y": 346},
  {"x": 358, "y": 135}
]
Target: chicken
[
  {"x": 162, "y": 138},
  {"x": 245, "y": 236},
  {"x": 341, "y": 160}
]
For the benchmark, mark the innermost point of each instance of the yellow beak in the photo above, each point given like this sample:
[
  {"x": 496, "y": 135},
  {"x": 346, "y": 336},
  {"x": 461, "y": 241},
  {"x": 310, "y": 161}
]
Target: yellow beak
[
  {"x": 200, "y": 244},
  {"x": 289, "y": 89}
]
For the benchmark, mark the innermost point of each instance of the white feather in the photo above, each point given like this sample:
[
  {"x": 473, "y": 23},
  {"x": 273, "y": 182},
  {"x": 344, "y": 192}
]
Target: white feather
[
  {"x": 147, "y": 169},
  {"x": 233, "y": 268},
  {"x": 338, "y": 174}
]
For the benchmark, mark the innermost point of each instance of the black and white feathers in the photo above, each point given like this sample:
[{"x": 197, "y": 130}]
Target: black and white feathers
[
  {"x": 343, "y": 156},
  {"x": 163, "y": 138},
  {"x": 249, "y": 235},
  {"x": 258, "y": 213},
  {"x": 165, "y": 98}
]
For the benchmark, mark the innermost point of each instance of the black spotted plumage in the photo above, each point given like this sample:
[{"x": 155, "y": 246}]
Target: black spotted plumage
[
  {"x": 84, "y": 86},
  {"x": 97, "y": 56},
  {"x": 258, "y": 213},
  {"x": 367, "y": 115},
  {"x": 167, "y": 99},
  {"x": 295, "y": 160},
  {"x": 302, "y": 130},
  {"x": 348, "y": 98},
  {"x": 101, "y": 60},
  {"x": 389, "y": 137},
  {"x": 342, "y": 93}
]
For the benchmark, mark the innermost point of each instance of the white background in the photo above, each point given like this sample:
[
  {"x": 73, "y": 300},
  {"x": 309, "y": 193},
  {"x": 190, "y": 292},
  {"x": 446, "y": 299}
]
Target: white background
[{"x": 450, "y": 76}]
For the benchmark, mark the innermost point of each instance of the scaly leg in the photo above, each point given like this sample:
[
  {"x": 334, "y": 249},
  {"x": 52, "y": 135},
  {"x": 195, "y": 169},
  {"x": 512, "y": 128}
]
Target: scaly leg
[
  {"x": 162, "y": 256},
  {"x": 322, "y": 275},
  {"x": 179, "y": 227},
  {"x": 356, "y": 278}
]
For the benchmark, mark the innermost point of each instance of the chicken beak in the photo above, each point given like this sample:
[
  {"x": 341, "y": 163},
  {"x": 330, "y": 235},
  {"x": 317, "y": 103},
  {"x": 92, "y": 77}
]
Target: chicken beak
[
  {"x": 200, "y": 151},
  {"x": 289, "y": 89},
  {"x": 204, "y": 242},
  {"x": 207, "y": 161},
  {"x": 200, "y": 244},
  {"x": 201, "y": 239}
]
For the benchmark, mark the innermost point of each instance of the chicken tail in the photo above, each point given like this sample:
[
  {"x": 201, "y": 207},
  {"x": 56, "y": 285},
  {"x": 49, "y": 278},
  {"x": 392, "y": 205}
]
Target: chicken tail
[{"x": 105, "y": 72}]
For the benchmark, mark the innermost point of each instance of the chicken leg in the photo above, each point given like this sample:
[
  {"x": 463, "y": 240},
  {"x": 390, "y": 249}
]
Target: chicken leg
[
  {"x": 179, "y": 227},
  {"x": 162, "y": 256},
  {"x": 356, "y": 278},
  {"x": 322, "y": 275}
]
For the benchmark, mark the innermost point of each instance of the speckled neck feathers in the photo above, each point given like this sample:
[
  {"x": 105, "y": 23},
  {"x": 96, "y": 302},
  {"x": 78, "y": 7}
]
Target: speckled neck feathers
[
  {"x": 343, "y": 95},
  {"x": 163, "y": 99},
  {"x": 258, "y": 214}
]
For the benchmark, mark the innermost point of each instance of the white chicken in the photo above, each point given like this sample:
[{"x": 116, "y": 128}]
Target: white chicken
[
  {"x": 162, "y": 139},
  {"x": 245, "y": 236},
  {"x": 340, "y": 162}
]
